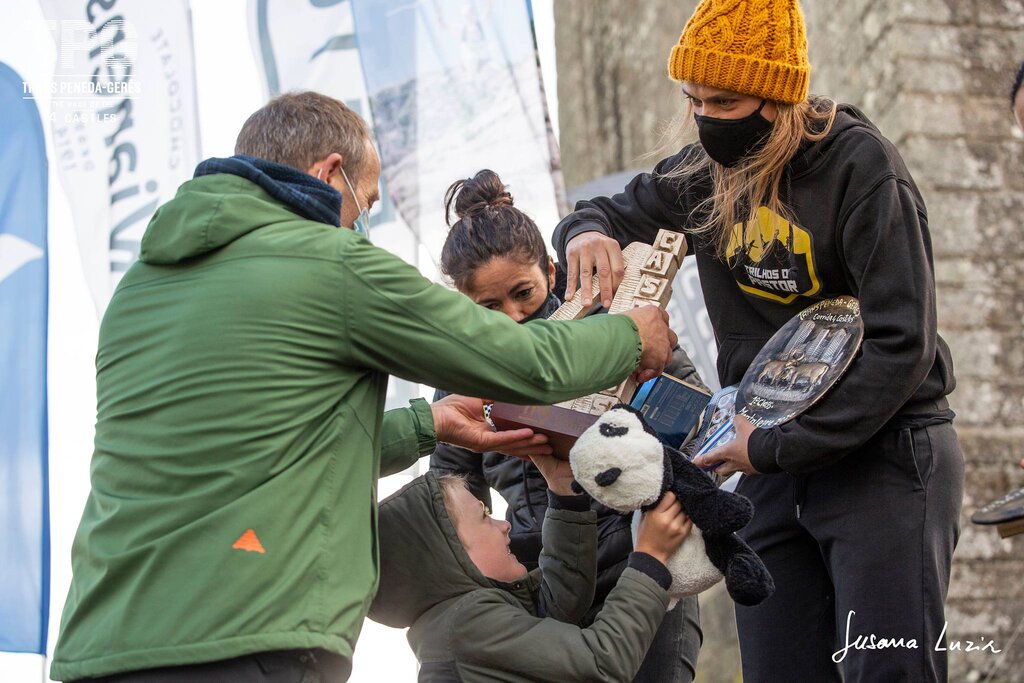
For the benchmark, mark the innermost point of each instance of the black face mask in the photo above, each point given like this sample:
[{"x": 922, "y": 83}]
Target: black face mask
[
  {"x": 544, "y": 311},
  {"x": 729, "y": 141}
]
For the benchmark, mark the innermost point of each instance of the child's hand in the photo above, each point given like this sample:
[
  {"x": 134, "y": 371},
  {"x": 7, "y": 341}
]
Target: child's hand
[
  {"x": 557, "y": 473},
  {"x": 663, "y": 529}
]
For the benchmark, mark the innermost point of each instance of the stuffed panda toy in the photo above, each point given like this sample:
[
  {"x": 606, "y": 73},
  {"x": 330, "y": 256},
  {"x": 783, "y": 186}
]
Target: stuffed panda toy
[{"x": 622, "y": 464}]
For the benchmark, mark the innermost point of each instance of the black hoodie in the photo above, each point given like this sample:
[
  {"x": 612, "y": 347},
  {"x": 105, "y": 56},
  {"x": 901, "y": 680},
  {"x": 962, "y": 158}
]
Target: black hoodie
[{"x": 860, "y": 229}]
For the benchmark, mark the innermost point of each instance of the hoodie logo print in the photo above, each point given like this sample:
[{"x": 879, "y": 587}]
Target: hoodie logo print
[
  {"x": 249, "y": 542},
  {"x": 773, "y": 259}
]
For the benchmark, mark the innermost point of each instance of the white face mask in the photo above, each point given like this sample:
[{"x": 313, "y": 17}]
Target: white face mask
[{"x": 362, "y": 222}]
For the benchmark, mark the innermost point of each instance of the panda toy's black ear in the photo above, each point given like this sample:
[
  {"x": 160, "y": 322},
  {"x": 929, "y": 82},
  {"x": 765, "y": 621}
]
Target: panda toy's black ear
[
  {"x": 639, "y": 416},
  {"x": 576, "y": 488}
]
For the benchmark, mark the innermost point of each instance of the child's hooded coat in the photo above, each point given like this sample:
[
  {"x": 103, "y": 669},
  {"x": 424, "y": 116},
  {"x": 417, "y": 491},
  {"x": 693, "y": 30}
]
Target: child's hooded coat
[{"x": 467, "y": 627}]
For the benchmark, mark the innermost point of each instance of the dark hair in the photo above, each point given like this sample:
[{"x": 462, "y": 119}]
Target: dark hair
[
  {"x": 300, "y": 128},
  {"x": 1016, "y": 84},
  {"x": 488, "y": 226}
]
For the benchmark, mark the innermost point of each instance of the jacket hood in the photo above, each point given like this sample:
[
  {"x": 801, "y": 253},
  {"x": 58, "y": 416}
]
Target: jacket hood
[
  {"x": 422, "y": 560},
  {"x": 847, "y": 118},
  {"x": 229, "y": 198}
]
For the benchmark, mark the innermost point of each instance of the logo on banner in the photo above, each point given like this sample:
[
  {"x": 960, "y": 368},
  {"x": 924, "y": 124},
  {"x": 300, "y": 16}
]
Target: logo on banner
[
  {"x": 125, "y": 129},
  {"x": 108, "y": 47}
]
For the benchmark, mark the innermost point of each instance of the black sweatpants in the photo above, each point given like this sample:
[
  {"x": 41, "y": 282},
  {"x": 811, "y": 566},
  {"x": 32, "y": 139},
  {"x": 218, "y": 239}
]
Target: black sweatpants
[{"x": 868, "y": 540}]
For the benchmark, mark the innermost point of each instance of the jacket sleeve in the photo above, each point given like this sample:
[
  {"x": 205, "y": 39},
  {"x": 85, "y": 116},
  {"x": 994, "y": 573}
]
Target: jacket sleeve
[
  {"x": 648, "y": 203},
  {"x": 887, "y": 256},
  {"x": 683, "y": 368},
  {"x": 396, "y": 321},
  {"x": 490, "y": 634},
  {"x": 568, "y": 558},
  {"x": 407, "y": 434},
  {"x": 449, "y": 459}
]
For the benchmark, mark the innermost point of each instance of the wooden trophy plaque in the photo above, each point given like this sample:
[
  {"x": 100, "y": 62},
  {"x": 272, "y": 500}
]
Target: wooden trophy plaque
[{"x": 649, "y": 271}]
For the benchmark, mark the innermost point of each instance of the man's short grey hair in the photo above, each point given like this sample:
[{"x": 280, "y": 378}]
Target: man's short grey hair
[{"x": 300, "y": 128}]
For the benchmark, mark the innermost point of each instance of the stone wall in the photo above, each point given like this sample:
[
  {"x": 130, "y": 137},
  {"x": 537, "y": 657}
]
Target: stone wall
[
  {"x": 612, "y": 57},
  {"x": 934, "y": 76}
]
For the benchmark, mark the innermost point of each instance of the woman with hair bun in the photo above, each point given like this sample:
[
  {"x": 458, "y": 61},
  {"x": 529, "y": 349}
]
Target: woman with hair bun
[{"x": 495, "y": 255}]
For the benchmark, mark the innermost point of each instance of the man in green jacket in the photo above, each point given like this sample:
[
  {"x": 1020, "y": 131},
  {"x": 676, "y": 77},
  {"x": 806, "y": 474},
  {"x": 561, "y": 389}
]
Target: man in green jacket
[{"x": 241, "y": 374}]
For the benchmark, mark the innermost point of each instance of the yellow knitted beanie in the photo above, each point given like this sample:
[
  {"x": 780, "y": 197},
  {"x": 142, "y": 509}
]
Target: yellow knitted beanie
[{"x": 755, "y": 47}]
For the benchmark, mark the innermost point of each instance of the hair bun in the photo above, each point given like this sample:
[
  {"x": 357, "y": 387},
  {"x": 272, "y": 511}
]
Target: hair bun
[{"x": 475, "y": 195}]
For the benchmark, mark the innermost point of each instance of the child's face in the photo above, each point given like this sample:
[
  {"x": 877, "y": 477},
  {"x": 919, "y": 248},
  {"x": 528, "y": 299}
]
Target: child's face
[{"x": 485, "y": 538}]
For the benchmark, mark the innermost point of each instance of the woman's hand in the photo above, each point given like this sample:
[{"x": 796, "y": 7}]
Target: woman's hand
[
  {"x": 657, "y": 340},
  {"x": 663, "y": 529},
  {"x": 587, "y": 252},
  {"x": 557, "y": 473},
  {"x": 459, "y": 420},
  {"x": 732, "y": 457}
]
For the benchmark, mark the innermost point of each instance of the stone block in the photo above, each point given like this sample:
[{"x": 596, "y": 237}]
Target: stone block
[
  {"x": 1000, "y": 222},
  {"x": 958, "y": 271},
  {"x": 656, "y": 289},
  {"x": 990, "y": 403},
  {"x": 939, "y": 115},
  {"x": 986, "y": 580},
  {"x": 993, "y": 446},
  {"x": 998, "y": 13},
  {"x": 658, "y": 263},
  {"x": 928, "y": 75},
  {"x": 921, "y": 40},
  {"x": 984, "y": 352},
  {"x": 673, "y": 243},
  {"x": 972, "y": 306},
  {"x": 623, "y": 391},
  {"x": 943, "y": 164},
  {"x": 992, "y": 619},
  {"x": 953, "y": 222},
  {"x": 925, "y": 11},
  {"x": 583, "y": 404},
  {"x": 600, "y": 404}
]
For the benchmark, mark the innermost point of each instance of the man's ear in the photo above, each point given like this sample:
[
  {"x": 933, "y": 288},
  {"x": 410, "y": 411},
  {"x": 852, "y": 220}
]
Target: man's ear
[
  {"x": 326, "y": 167},
  {"x": 551, "y": 274}
]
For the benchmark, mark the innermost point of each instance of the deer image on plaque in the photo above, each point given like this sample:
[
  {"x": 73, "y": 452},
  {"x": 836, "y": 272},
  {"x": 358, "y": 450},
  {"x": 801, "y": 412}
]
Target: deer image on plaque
[{"x": 649, "y": 271}]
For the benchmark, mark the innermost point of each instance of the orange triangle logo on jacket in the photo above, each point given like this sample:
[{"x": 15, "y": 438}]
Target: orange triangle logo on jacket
[{"x": 250, "y": 542}]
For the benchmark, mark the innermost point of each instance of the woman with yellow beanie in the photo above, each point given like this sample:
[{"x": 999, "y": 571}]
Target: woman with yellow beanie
[{"x": 787, "y": 199}]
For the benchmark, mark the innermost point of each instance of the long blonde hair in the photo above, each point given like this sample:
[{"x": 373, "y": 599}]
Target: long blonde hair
[{"x": 755, "y": 182}]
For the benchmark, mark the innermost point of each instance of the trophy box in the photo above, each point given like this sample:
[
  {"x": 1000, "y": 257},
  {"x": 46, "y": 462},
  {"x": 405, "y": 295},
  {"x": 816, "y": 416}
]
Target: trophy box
[{"x": 649, "y": 271}]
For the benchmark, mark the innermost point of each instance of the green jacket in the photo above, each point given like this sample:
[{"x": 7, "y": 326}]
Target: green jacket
[
  {"x": 466, "y": 627},
  {"x": 241, "y": 377}
]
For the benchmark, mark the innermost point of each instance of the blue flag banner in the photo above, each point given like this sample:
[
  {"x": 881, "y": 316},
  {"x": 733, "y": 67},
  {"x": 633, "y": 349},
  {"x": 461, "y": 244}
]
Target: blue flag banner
[{"x": 24, "y": 518}]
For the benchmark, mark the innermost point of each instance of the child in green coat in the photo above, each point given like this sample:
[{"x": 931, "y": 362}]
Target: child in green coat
[{"x": 447, "y": 573}]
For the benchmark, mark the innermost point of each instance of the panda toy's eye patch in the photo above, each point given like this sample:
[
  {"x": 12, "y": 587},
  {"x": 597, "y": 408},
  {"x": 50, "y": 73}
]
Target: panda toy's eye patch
[
  {"x": 608, "y": 477},
  {"x": 613, "y": 430}
]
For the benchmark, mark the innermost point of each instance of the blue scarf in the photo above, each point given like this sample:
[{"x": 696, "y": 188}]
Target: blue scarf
[{"x": 305, "y": 195}]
